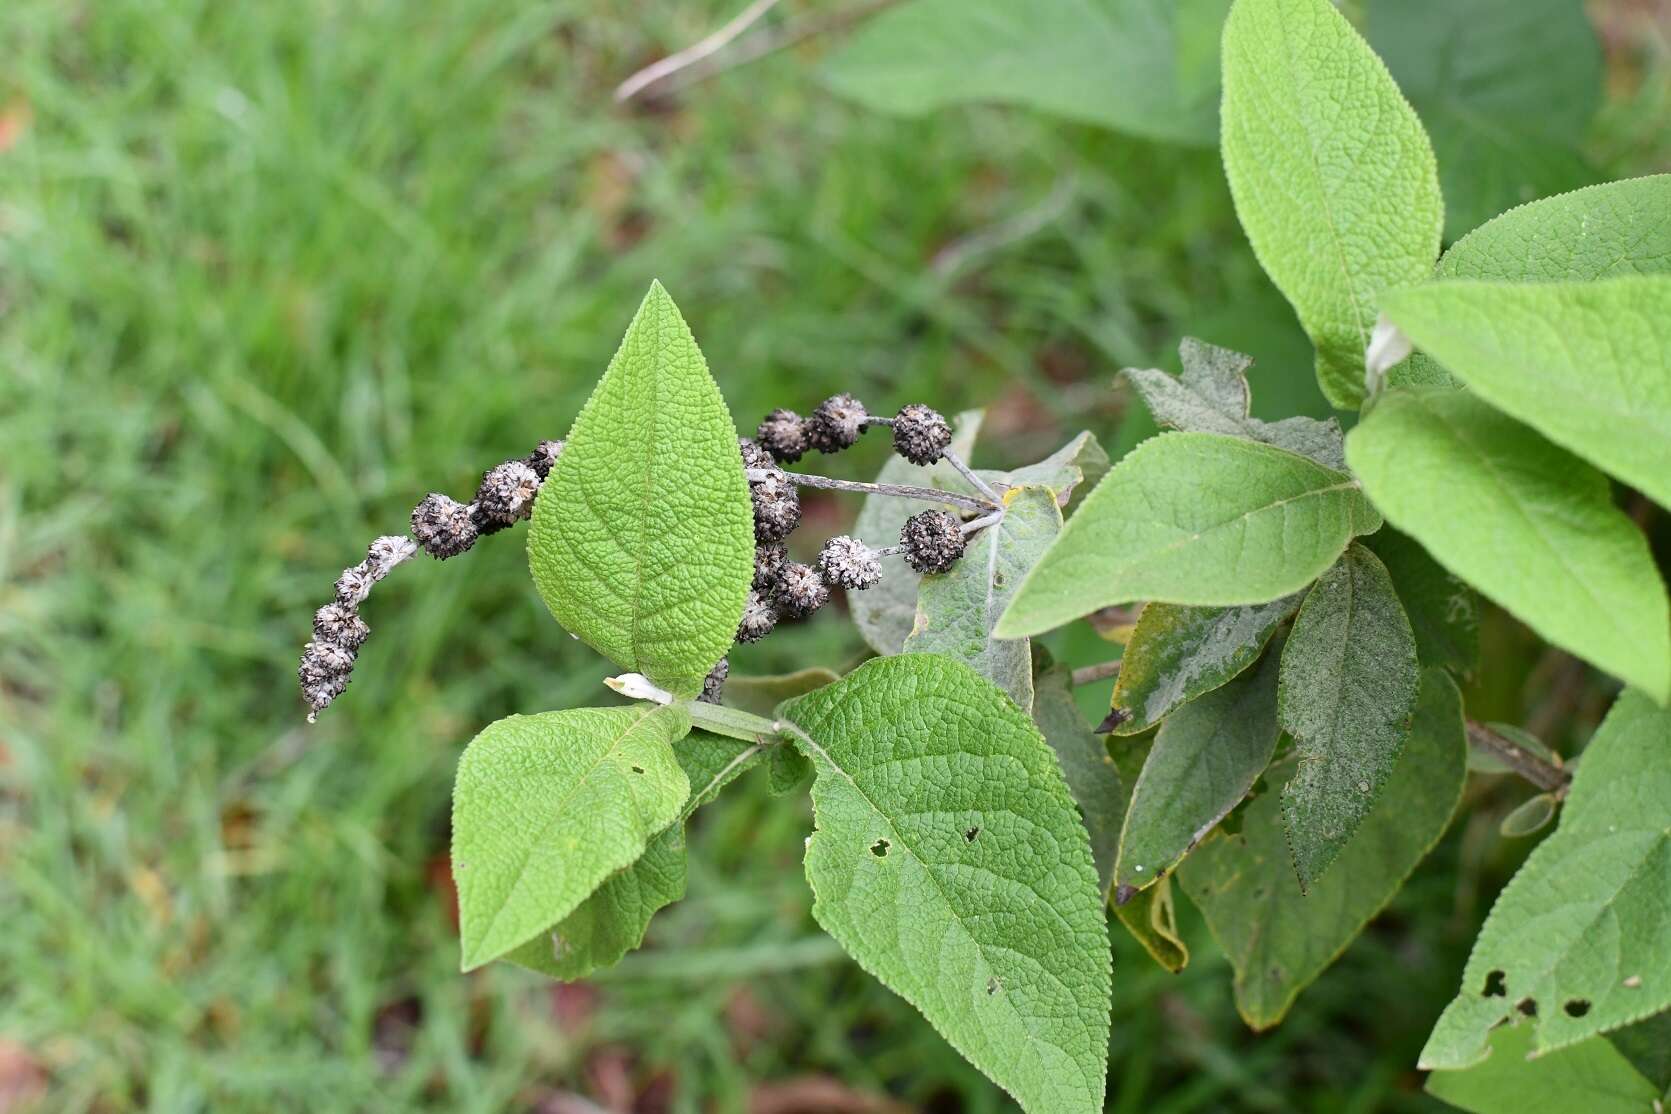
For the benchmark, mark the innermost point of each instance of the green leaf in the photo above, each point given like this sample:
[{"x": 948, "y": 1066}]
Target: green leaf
[
  {"x": 949, "y": 860},
  {"x": 1331, "y": 173},
  {"x": 1581, "y": 935},
  {"x": 1193, "y": 518},
  {"x": 1177, "y": 653},
  {"x": 957, "y": 610},
  {"x": 612, "y": 922},
  {"x": 1530, "y": 526},
  {"x": 1349, "y": 682},
  {"x": 1092, "y": 779},
  {"x": 1590, "y": 1076},
  {"x": 1621, "y": 228},
  {"x": 642, "y": 542},
  {"x": 1529, "y": 817},
  {"x": 1507, "y": 89},
  {"x": 885, "y": 614},
  {"x": 1278, "y": 939},
  {"x": 1205, "y": 759},
  {"x": 1151, "y": 918},
  {"x": 1586, "y": 364},
  {"x": 546, "y": 807},
  {"x": 1213, "y": 397},
  {"x": 1647, "y": 1045},
  {"x": 1130, "y": 65},
  {"x": 1442, "y": 610},
  {"x": 1079, "y": 463}
]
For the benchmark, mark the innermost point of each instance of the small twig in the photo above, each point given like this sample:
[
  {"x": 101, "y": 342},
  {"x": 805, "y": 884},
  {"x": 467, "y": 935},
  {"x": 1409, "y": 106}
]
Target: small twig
[
  {"x": 1091, "y": 674},
  {"x": 903, "y": 491},
  {"x": 691, "y": 70},
  {"x": 1534, "y": 768},
  {"x": 691, "y": 55},
  {"x": 968, "y": 473}
]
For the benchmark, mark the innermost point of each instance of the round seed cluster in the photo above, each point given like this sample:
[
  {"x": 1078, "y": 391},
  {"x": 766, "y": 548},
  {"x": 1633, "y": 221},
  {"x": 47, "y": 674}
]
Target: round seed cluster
[
  {"x": 759, "y": 617},
  {"x": 933, "y": 541},
  {"x": 713, "y": 685},
  {"x": 849, "y": 563},
  {"x": 836, "y": 424},
  {"x": 783, "y": 434},
  {"x": 506, "y": 494},
  {"x": 338, "y": 631},
  {"x": 443, "y": 527},
  {"x": 921, "y": 434},
  {"x": 769, "y": 560},
  {"x": 800, "y": 590},
  {"x": 777, "y": 507},
  {"x": 754, "y": 456}
]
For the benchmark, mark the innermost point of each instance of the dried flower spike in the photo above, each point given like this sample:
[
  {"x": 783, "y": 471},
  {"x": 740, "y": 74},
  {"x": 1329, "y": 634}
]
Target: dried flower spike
[
  {"x": 340, "y": 624},
  {"x": 713, "y": 685},
  {"x": 849, "y": 563},
  {"x": 933, "y": 541},
  {"x": 354, "y": 585},
  {"x": 544, "y": 458},
  {"x": 800, "y": 590},
  {"x": 836, "y": 424},
  {"x": 384, "y": 553},
  {"x": 759, "y": 617},
  {"x": 753, "y": 455},
  {"x": 783, "y": 434},
  {"x": 443, "y": 526},
  {"x": 769, "y": 559},
  {"x": 921, "y": 434},
  {"x": 506, "y": 494},
  {"x": 777, "y": 507}
]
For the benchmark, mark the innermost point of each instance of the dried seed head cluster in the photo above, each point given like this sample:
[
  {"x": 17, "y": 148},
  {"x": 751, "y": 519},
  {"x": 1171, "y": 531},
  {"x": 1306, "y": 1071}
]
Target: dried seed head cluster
[
  {"x": 759, "y": 617},
  {"x": 849, "y": 563},
  {"x": 769, "y": 559},
  {"x": 783, "y": 434},
  {"x": 800, "y": 590},
  {"x": 443, "y": 527},
  {"x": 933, "y": 541},
  {"x": 777, "y": 507},
  {"x": 836, "y": 424},
  {"x": 921, "y": 434},
  {"x": 713, "y": 685},
  {"x": 338, "y": 631}
]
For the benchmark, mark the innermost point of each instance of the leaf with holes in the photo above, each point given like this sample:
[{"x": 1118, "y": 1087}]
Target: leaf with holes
[
  {"x": 1587, "y": 364},
  {"x": 1213, "y": 397},
  {"x": 957, "y": 609},
  {"x": 1193, "y": 518},
  {"x": 1580, "y": 938},
  {"x": 1205, "y": 758},
  {"x": 1590, "y": 1076},
  {"x": 1442, "y": 610},
  {"x": 1349, "y": 681},
  {"x": 1132, "y": 65},
  {"x": 1090, "y": 772},
  {"x": 1527, "y": 524},
  {"x": 1331, "y": 173},
  {"x": 642, "y": 542},
  {"x": 1177, "y": 653},
  {"x": 1278, "y": 939},
  {"x": 546, "y": 807},
  {"x": 884, "y": 614},
  {"x": 612, "y": 922},
  {"x": 1507, "y": 89},
  {"x": 950, "y": 861}
]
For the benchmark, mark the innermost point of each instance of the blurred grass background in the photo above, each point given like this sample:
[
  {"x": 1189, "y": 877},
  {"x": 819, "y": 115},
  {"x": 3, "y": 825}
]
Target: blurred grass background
[{"x": 268, "y": 273}]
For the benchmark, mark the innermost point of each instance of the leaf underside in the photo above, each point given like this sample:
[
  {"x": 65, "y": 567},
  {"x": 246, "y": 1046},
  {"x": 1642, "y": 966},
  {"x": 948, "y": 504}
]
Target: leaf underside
[
  {"x": 1348, "y": 690},
  {"x": 1091, "y": 775},
  {"x": 1280, "y": 940}
]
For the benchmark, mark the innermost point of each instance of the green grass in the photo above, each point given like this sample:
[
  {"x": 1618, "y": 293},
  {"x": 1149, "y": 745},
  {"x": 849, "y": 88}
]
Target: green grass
[{"x": 270, "y": 272}]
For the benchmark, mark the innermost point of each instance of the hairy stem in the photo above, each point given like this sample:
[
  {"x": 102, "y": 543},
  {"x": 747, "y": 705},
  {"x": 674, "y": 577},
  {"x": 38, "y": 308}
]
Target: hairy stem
[
  {"x": 733, "y": 723},
  {"x": 1534, "y": 768},
  {"x": 1091, "y": 674},
  {"x": 968, "y": 473}
]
